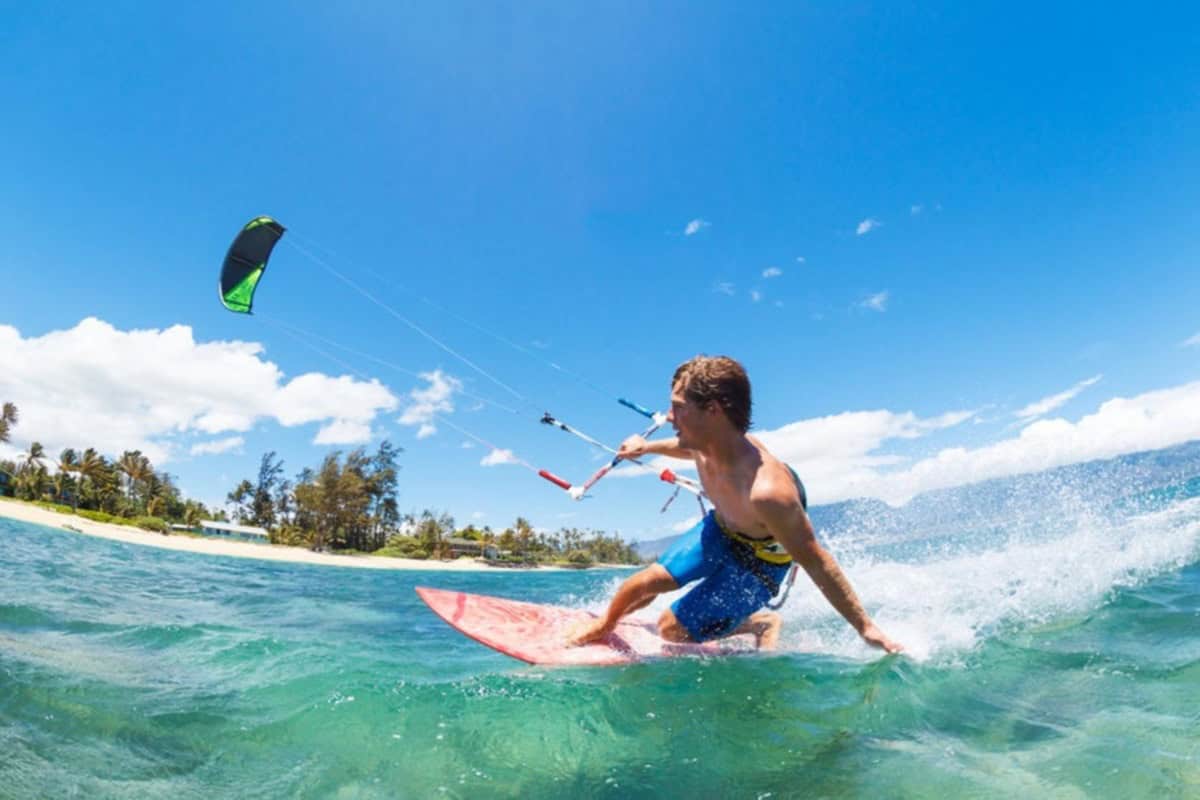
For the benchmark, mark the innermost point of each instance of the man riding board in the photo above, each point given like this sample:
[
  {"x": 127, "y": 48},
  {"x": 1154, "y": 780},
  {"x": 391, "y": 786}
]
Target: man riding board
[{"x": 743, "y": 548}]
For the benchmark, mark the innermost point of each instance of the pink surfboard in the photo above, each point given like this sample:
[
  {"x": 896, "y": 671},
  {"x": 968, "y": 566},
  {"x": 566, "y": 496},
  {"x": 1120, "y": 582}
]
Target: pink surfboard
[{"x": 537, "y": 634}]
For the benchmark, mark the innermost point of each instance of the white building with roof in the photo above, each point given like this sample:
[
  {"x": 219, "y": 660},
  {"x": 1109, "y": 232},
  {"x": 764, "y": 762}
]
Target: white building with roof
[{"x": 227, "y": 530}]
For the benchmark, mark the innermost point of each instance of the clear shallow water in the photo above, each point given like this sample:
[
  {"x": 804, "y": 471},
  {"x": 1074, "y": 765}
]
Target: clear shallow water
[{"x": 1059, "y": 659}]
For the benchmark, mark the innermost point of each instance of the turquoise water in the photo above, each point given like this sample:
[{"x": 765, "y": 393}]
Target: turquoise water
[{"x": 1060, "y": 660}]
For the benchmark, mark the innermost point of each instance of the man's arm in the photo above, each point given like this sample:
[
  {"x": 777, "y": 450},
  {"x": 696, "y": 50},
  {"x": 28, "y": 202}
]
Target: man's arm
[
  {"x": 789, "y": 524},
  {"x": 636, "y": 447}
]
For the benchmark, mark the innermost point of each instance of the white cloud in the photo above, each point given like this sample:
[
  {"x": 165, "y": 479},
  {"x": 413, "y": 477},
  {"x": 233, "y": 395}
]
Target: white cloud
[
  {"x": 755, "y": 295},
  {"x": 724, "y": 287},
  {"x": 832, "y": 449},
  {"x": 916, "y": 209},
  {"x": 773, "y": 272},
  {"x": 799, "y": 259},
  {"x": 1148, "y": 421},
  {"x": 695, "y": 226},
  {"x": 866, "y": 226},
  {"x": 876, "y": 302},
  {"x": 1192, "y": 342},
  {"x": 478, "y": 515},
  {"x": 687, "y": 524},
  {"x": 216, "y": 446},
  {"x": 1048, "y": 404},
  {"x": 96, "y": 386},
  {"x": 842, "y": 456},
  {"x": 497, "y": 457},
  {"x": 467, "y": 445},
  {"x": 426, "y": 402},
  {"x": 344, "y": 431}
]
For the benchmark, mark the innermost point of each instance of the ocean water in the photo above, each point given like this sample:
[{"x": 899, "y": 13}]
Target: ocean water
[{"x": 1054, "y": 651}]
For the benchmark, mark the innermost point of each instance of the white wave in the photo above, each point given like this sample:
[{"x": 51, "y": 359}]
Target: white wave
[{"x": 944, "y": 606}]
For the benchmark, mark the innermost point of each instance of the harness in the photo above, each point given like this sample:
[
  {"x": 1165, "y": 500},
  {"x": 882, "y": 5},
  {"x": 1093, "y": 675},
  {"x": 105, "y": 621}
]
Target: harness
[{"x": 752, "y": 553}]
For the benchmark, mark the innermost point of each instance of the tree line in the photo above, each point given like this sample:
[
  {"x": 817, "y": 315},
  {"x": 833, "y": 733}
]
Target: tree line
[
  {"x": 349, "y": 504},
  {"x": 127, "y": 488}
]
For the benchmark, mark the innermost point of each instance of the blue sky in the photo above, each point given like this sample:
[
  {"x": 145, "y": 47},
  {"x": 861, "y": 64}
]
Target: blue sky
[{"x": 913, "y": 224}]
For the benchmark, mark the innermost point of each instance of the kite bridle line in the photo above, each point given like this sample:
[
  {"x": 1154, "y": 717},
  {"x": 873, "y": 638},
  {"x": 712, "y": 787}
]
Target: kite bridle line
[
  {"x": 576, "y": 492},
  {"x": 414, "y": 326},
  {"x": 296, "y": 332},
  {"x": 602, "y": 391}
]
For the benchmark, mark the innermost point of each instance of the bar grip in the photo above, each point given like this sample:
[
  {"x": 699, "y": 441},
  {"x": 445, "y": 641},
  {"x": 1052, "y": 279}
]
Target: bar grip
[
  {"x": 645, "y": 412},
  {"x": 557, "y": 481}
]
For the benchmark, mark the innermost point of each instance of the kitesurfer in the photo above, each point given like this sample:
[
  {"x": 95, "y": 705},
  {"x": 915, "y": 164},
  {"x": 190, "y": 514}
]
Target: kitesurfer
[{"x": 743, "y": 548}]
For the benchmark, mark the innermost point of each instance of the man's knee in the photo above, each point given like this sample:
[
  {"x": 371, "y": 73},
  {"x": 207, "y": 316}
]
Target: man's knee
[
  {"x": 656, "y": 578},
  {"x": 671, "y": 629}
]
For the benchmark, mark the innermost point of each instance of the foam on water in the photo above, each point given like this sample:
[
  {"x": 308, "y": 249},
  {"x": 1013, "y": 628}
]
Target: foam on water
[{"x": 940, "y": 605}]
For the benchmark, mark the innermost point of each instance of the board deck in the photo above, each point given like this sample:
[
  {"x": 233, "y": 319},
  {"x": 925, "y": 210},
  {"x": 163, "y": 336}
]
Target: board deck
[{"x": 537, "y": 634}]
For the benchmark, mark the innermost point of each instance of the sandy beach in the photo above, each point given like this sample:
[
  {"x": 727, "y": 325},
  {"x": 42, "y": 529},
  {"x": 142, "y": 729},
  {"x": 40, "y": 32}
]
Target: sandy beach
[{"x": 14, "y": 509}]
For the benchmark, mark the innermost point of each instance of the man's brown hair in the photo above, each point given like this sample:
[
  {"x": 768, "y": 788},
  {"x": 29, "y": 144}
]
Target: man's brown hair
[{"x": 716, "y": 379}]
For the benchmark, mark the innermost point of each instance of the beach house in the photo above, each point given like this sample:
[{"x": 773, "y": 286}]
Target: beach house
[{"x": 227, "y": 530}]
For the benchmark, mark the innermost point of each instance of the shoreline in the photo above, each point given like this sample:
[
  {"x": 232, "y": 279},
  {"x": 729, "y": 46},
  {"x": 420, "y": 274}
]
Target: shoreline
[{"x": 25, "y": 512}]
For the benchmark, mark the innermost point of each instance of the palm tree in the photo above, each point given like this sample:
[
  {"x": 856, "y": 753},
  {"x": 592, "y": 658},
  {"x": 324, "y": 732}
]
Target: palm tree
[
  {"x": 67, "y": 463},
  {"x": 90, "y": 467},
  {"x": 136, "y": 468},
  {"x": 34, "y": 457},
  {"x": 8, "y": 418},
  {"x": 524, "y": 534},
  {"x": 239, "y": 497},
  {"x": 193, "y": 512}
]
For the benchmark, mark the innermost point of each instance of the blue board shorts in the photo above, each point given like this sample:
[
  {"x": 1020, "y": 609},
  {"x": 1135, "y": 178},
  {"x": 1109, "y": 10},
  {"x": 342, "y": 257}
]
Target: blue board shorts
[{"x": 735, "y": 582}]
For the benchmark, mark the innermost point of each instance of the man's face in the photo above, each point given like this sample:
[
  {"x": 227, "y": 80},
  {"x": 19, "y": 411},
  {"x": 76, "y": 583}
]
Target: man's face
[{"x": 687, "y": 418}]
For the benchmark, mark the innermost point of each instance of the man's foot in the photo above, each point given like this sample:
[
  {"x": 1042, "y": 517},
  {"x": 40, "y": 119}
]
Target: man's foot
[{"x": 587, "y": 632}]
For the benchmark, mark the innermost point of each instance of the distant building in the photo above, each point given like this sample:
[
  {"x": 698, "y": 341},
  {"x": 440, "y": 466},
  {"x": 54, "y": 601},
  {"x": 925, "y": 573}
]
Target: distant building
[
  {"x": 470, "y": 547},
  {"x": 227, "y": 530}
]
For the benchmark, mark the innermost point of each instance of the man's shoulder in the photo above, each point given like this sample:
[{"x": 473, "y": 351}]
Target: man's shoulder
[{"x": 773, "y": 485}]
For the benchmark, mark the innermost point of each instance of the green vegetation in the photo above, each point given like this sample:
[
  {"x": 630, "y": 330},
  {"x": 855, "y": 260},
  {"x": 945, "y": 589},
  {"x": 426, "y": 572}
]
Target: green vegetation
[
  {"x": 348, "y": 504},
  {"x": 127, "y": 490}
]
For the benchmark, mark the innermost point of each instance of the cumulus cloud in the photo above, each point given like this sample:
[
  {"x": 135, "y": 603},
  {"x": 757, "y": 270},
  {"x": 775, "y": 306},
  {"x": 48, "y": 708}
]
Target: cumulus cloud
[
  {"x": 497, "y": 457},
  {"x": 1048, "y": 404},
  {"x": 755, "y": 295},
  {"x": 773, "y": 272},
  {"x": 1148, "y": 421},
  {"x": 876, "y": 302},
  {"x": 95, "y": 385},
  {"x": 1192, "y": 342},
  {"x": 695, "y": 226},
  {"x": 866, "y": 226},
  {"x": 216, "y": 446},
  {"x": 844, "y": 456},
  {"x": 426, "y": 402}
]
